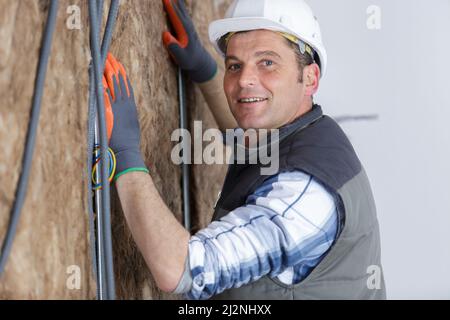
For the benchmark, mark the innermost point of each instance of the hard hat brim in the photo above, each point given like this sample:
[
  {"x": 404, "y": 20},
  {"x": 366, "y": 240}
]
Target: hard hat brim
[{"x": 219, "y": 28}]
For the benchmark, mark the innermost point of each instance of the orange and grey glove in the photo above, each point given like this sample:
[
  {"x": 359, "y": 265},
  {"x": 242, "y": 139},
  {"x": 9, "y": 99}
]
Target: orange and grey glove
[
  {"x": 122, "y": 118},
  {"x": 186, "y": 48}
]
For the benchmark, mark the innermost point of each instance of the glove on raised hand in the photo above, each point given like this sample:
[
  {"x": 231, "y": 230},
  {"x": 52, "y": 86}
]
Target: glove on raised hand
[{"x": 186, "y": 48}]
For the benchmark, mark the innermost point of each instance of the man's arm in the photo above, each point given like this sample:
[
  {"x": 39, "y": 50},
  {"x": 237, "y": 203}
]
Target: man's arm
[
  {"x": 160, "y": 237},
  {"x": 188, "y": 52},
  {"x": 300, "y": 211}
]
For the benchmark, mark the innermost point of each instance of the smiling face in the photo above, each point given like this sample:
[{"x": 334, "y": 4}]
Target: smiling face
[{"x": 261, "y": 80}]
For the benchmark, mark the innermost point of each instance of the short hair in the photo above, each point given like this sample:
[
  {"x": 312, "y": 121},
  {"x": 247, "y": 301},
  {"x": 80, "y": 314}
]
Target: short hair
[{"x": 303, "y": 59}]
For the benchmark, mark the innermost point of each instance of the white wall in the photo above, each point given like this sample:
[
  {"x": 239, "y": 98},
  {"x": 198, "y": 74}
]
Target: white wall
[{"x": 399, "y": 72}]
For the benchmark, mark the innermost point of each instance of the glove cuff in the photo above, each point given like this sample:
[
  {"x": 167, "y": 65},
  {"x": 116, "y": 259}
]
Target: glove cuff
[
  {"x": 129, "y": 160},
  {"x": 130, "y": 170}
]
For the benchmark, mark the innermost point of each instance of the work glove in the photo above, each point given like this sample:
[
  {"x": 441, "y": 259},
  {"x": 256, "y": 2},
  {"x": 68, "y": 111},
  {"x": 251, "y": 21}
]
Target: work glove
[
  {"x": 122, "y": 119},
  {"x": 186, "y": 48}
]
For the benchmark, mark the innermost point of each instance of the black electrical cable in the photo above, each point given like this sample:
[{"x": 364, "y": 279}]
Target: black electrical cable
[
  {"x": 31, "y": 134},
  {"x": 112, "y": 16},
  {"x": 105, "y": 191}
]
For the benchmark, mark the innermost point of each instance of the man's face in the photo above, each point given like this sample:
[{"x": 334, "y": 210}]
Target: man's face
[{"x": 262, "y": 80}]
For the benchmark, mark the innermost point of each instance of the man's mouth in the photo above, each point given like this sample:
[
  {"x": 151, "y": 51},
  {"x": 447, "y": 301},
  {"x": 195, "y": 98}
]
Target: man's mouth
[{"x": 251, "y": 100}]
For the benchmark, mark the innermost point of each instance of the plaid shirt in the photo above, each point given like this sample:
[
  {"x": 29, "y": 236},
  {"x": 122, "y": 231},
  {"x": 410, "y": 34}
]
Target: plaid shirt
[{"x": 284, "y": 230}]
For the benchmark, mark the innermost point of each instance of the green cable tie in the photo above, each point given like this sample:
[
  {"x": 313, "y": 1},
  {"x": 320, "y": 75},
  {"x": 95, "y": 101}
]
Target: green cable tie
[{"x": 131, "y": 170}]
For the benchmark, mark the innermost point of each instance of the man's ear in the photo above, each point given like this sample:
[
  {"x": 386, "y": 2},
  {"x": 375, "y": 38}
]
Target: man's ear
[{"x": 311, "y": 76}]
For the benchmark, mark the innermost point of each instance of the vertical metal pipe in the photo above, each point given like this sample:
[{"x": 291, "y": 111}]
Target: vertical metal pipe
[
  {"x": 101, "y": 272},
  {"x": 185, "y": 166}
]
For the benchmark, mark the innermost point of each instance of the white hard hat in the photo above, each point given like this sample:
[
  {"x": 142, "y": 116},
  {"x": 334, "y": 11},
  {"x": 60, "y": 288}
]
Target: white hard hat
[{"x": 294, "y": 17}]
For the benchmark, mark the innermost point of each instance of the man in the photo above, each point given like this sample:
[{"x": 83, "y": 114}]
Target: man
[{"x": 307, "y": 232}]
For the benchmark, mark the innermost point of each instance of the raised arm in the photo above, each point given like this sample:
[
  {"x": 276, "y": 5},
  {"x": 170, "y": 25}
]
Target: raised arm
[{"x": 187, "y": 51}]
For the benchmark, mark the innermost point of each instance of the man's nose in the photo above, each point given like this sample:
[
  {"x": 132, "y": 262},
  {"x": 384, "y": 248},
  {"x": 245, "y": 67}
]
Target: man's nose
[{"x": 248, "y": 77}]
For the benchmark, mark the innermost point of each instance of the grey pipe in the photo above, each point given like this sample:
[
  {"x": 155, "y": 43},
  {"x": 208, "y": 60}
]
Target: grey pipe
[
  {"x": 31, "y": 134},
  {"x": 103, "y": 164},
  {"x": 184, "y": 166}
]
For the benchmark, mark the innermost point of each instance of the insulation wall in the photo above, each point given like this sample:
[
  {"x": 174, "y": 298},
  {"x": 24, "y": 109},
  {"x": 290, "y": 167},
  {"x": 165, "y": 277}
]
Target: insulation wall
[{"x": 53, "y": 233}]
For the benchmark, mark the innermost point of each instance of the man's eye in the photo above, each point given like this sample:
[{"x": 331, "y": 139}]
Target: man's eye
[
  {"x": 268, "y": 63},
  {"x": 234, "y": 67}
]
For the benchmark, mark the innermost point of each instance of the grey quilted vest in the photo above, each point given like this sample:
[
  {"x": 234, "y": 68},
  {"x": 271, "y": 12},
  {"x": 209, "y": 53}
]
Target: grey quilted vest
[{"x": 351, "y": 269}]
